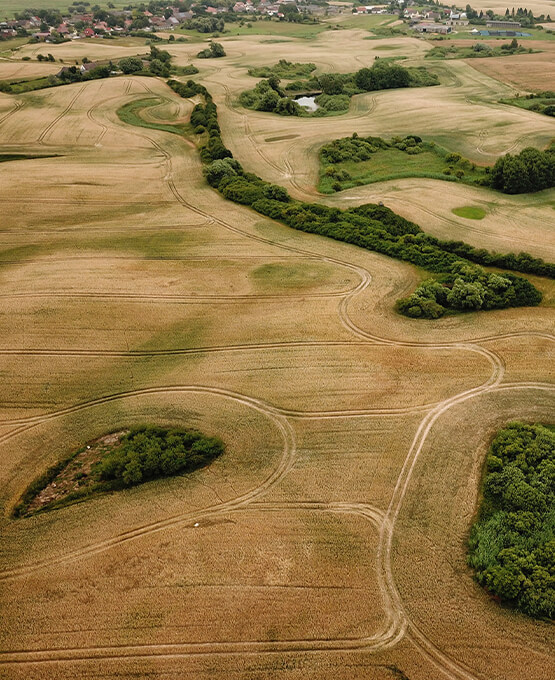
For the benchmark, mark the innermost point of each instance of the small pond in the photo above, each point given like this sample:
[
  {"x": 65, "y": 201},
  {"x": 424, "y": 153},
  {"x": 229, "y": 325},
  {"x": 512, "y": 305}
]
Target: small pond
[{"x": 307, "y": 102}]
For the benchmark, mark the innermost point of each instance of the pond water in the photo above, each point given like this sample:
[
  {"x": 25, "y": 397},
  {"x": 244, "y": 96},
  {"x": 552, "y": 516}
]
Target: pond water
[{"x": 307, "y": 102}]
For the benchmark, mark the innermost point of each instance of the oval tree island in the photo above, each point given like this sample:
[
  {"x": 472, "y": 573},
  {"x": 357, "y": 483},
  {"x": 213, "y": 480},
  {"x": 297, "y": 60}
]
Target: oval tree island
[{"x": 116, "y": 461}]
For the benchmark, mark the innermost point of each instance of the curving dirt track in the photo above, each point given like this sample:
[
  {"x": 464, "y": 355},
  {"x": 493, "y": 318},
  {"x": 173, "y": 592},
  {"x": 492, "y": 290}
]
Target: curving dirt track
[{"x": 353, "y": 478}]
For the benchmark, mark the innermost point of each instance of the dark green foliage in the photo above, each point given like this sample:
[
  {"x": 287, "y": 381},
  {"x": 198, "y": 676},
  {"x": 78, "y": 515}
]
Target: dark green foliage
[
  {"x": 268, "y": 96},
  {"x": 331, "y": 102},
  {"x": 130, "y": 64},
  {"x": 512, "y": 545},
  {"x": 149, "y": 452},
  {"x": 204, "y": 115},
  {"x": 206, "y": 24},
  {"x": 382, "y": 76},
  {"x": 468, "y": 288},
  {"x": 188, "y": 70},
  {"x": 283, "y": 69},
  {"x": 531, "y": 170},
  {"x": 213, "y": 52},
  {"x": 144, "y": 453}
]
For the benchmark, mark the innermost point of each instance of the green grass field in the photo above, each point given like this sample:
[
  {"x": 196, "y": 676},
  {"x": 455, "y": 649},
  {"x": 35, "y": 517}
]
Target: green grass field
[
  {"x": 130, "y": 113},
  {"x": 470, "y": 212},
  {"x": 538, "y": 104}
]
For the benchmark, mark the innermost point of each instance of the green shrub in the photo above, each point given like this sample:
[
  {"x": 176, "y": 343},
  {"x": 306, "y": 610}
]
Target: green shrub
[{"x": 512, "y": 545}]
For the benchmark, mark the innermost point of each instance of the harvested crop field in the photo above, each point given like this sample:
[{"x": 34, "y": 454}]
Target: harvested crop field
[
  {"x": 526, "y": 72},
  {"x": 328, "y": 541}
]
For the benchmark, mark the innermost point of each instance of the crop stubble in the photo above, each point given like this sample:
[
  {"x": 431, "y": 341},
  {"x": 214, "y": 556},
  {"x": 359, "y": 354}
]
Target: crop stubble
[{"x": 321, "y": 544}]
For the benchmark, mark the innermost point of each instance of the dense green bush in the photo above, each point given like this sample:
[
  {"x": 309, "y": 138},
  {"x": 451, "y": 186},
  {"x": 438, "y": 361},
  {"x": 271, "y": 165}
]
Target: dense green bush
[
  {"x": 268, "y": 96},
  {"x": 130, "y": 64},
  {"x": 206, "y": 24},
  {"x": 512, "y": 545},
  {"x": 468, "y": 288},
  {"x": 149, "y": 452},
  {"x": 530, "y": 170},
  {"x": 283, "y": 69},
  {"x": 214, "y": 51},
  {"x": 144, "y": 453}
]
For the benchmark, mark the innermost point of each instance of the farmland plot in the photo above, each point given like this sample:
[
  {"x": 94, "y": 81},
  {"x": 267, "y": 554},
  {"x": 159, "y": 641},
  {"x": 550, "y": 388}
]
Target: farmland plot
[{"x": 328, "y": 541}]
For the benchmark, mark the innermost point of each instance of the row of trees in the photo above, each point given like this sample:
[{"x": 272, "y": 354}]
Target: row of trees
[
  {"x": 512, "y": 545},
  {"x": 369, "y": 226}
]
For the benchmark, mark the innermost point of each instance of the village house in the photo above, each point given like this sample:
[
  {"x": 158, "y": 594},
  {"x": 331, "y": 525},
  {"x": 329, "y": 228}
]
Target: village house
[{"x": 456, "y": 19}]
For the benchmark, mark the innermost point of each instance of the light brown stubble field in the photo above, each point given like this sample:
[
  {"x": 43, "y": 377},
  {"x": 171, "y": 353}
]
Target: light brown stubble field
[{"x": 331, "y": 533}]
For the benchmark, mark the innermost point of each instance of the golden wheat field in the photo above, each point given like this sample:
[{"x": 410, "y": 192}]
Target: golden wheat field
[{"x": 329, "y": 540}]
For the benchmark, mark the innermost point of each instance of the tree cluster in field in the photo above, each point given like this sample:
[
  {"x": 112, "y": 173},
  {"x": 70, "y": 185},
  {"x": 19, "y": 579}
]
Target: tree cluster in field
[
  {"x": 512, "y": 545},
  {"x": 478, "y": 49},
  {"x": 149, "y": 452},
  {"x": 523, "y": 15},
  {"x": 283, "y": 69},
  {"x": 213, "y": 51},
  {"x": 530, "y": 170},
  {"x": 204, "y": 120},
  {"x": 146, "y": 452},
  {"x": 336, "y": 88},
  {"x": 468, "y": 287},
  {"x": 158, "y": 63},
  {"x": 358, "y": 149},
  {"x": 370, "y": 226}
]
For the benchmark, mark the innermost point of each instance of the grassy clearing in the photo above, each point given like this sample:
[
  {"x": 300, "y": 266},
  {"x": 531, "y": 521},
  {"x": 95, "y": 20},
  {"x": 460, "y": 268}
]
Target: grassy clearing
[
  {"x": 434, "y": 162},
  {"x": 131, "y": 114},
  {"x": 470, "y": 212},
  {"x": 367, "y": 21},
  {"x": 478, "y": 50}
]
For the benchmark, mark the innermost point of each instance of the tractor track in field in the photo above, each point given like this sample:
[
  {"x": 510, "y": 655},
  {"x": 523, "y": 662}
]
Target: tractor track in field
[
  {"x": 48, "y": 129},
  {"x": 18, "y": 105},
  {"x": 92, "y": 109}
]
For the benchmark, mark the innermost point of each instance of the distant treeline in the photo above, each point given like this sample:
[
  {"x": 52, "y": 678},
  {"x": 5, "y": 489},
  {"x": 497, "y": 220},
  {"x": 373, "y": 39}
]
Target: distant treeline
[
  {"x": 370, "y": 226},
  {"x": 512, "y": 545}
]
